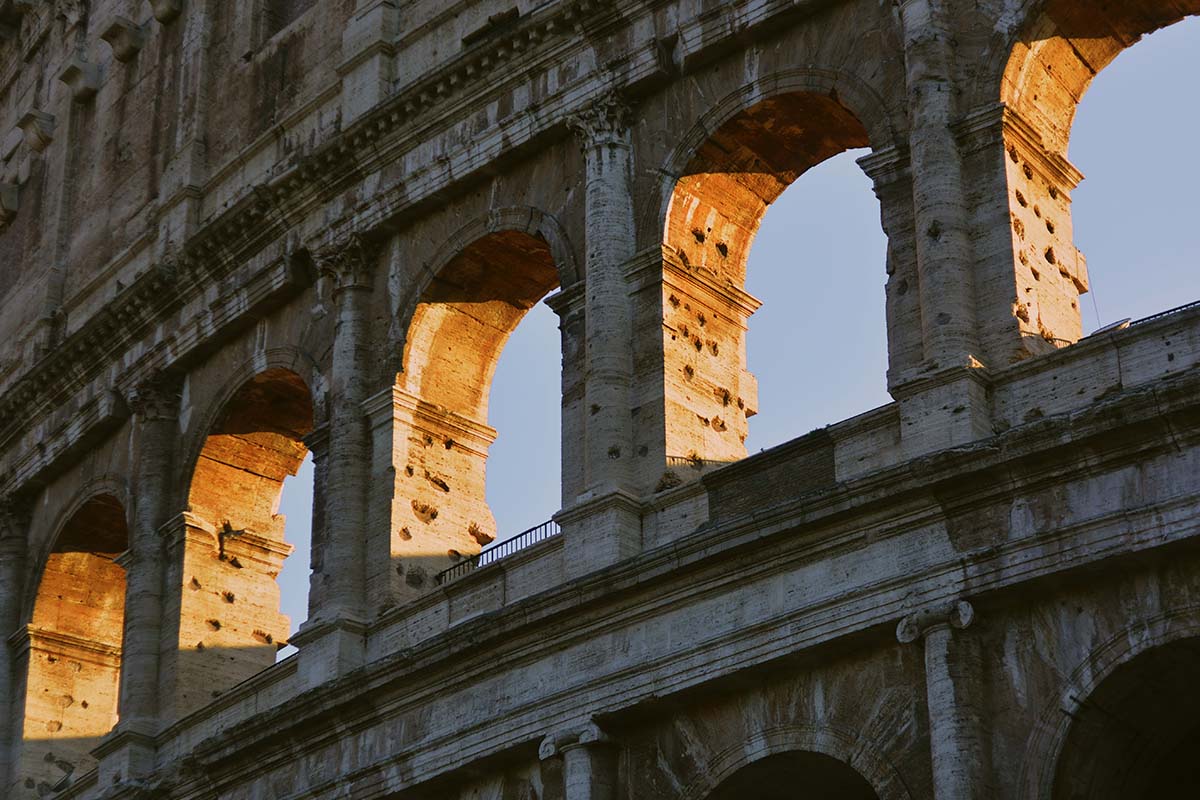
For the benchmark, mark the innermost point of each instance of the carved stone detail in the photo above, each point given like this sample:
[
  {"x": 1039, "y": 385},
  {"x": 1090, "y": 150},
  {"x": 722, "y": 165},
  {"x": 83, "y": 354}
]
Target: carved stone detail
[
  {"x": 125, "y": 37},
  {"x": 83, "y": 78},
  {"x": 914, "y": 626},
  {"x": 604, "y": 122},
  {"x": 38, "y": 127},
  {"x": 350, "y": 262},
  {"x": 156, "y": 398}
]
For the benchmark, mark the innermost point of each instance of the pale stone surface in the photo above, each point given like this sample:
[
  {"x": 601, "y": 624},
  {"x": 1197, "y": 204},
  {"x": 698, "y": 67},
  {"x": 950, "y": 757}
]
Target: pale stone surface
[{"x": 234, "y": 234}]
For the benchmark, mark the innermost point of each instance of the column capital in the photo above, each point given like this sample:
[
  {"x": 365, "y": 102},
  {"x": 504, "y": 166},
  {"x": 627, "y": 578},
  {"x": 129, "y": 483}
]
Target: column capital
[
  {"x": 157, "y": 397},
  {"x": 588, "y": 735},
  {"x": 349, "y": 261},
  {"x": 957, "y": 614},
  {"x": 15, "y": 513},
  {"x": 604, "y": 121}
]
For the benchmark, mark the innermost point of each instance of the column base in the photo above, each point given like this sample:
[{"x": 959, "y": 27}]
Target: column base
[
  {"x": 329, "y": 649},
  {"x": 600, "y": 530}
]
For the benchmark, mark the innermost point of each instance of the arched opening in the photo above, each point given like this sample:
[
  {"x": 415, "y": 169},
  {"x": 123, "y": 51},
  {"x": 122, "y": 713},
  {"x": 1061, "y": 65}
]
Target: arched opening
[
  {"x": 829, "y": 292},
  {"x": 714, "y": 215},
  {"x": 1136, "y": 735},
  {"x": 230, "y": 624},
  {"x": 1051, "y": 67},
  {"x": 783, "y": 776},
  {"x": 461, "y": 323},
  {"x": 74, "y": 647}
]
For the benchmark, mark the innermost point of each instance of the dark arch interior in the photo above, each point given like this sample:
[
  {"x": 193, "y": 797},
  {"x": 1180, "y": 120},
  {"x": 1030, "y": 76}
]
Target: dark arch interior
[
  {"x": 1136, "y": 736},
  {"x": 786, "y": 776}
]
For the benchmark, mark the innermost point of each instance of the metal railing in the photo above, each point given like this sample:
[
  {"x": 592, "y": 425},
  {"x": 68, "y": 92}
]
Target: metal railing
[
  {"x": 1166, "y": 313},
  {"x": 499, "y": 550}
]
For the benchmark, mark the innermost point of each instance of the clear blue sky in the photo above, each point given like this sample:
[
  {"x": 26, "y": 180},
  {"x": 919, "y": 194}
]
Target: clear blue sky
[{"x": 1137, "y": 219}]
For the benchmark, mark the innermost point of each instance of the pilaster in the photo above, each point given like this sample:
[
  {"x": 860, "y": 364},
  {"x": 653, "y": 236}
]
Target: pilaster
[
  {"x": 579, "y": 764},
  {"x": 952, "y": 668},
  {"x": 337, "y": 620},
  {"x": 603, "y": 130},
  {"x": 14, "y": 526},
  {"x": 129, "y": 752},
  {"x": 368, "y": 53}
]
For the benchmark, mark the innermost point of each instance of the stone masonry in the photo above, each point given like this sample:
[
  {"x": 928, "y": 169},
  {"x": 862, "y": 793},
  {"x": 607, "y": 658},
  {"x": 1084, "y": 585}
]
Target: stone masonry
[{"x": 237, "y": 232}]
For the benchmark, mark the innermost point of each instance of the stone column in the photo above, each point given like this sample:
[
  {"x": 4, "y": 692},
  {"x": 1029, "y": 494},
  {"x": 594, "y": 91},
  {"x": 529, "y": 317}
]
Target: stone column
[
  {"x": 609, "y": 501},
  {"x": 339, "y": 622},
  {"x": 14, "y": 524},
  {"x": 952, "y": 668},
  {"x": 579, "y": 765},
  {"x": 368, "y": 54},
  {"x": 130, "y": 752},
  {"x": 945, "y": 405}
]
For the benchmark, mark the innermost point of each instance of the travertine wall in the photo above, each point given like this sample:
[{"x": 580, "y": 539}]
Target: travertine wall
[{"x": 233, "y": 233}]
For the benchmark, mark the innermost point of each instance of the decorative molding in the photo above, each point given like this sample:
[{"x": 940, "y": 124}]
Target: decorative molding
[
  {"x": 125, "y": 37},
  {"x": 157, "y": 397},
  {"x": 956, "y": 614},
  {"x": 588, "y": 735},
  {"x": 38, "y": 127},
  {"x": 349, "y": 261},
  {"x": 604, "y": 122},
  {"x": 82, "y": 78}
]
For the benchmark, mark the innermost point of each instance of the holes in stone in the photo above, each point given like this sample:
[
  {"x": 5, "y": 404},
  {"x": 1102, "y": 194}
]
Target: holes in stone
[
  {"x": 481, "y": 537},
  {"x": 263, "y": 637},
  {"x": 214, "y": 624},
  {"x": 54, "y": 726},
  {"x": 1049, "y": 256},
  {"x": 704, "y": 420},
  {"x": 415, "y": 577},
  {"x": 643, "y": 450},
  {"x": 698, "y": 344},
  {"x": 200, "y": 646},
  {"x": 424, "y": 512},
  {"x": 1049, "y": 226},
  {"x": 1019, "y": 228},
  {"x": 84, "y": 703},
  {"x": 723, "y": 249},
  {"x": 428, "y": 440},
  {"x": 718, "y": 424},
  {"x": 1037, "y": 276},
  {"x": 405, "y": 535},
  {"x": 1012, "y": 153},
  {"x": 1053, "y": 193},
  {"x": 1021, "y": 199},
  {"x": 595, "y": 409},
  {"x": 449, "y": 444},
  {"x": 724, "y": 396},
  {"x": 1028, "y": 172},
  {"x": 233, "y": 562},
  {"x": 436, "y": 481},
  {"x": 408, "y": 471},
  {"x": 1024, "y": 259},
  {"x": 674, "y": 301},
  {"x": 614, "y": 452},
  {"x": 228, "y": 597},
  {"x": 713, "y": 347},
  {"x": 699, "y": 234},
  {"x": 195, "y": 584},
  {"x": 1037, "y": 211},
  {"x": 688, "y": 372},
  {"x": 703, "y": 320}
]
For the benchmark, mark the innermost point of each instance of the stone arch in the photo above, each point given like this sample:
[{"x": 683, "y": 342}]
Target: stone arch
[
  {"x": 229, "y": 546},
  {"x": 70, "y": 651},
  {"x": 476, "y": 290},
  {"x": 1043, "y": 60},
  {"x": 291, "y": 359},
  {"x": 1046, "y": 744},
  {"x": 884, "y": 127},
  {"x": 715, "y": 189},
  {"x": 842, "y": 746}
]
